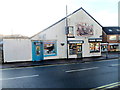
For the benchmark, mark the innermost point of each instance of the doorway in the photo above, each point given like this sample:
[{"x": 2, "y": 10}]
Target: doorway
[
  {"x": 37, "y": 51},
  {"x": 75, "y": 50}
]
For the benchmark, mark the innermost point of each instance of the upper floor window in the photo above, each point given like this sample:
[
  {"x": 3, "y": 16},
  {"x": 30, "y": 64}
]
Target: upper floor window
[
  {"x": 70, "y": 31},
  {"x": 110, "y": 30},
  {"x": 119, "y": 38},
  {"x": 113, "y": 37}
]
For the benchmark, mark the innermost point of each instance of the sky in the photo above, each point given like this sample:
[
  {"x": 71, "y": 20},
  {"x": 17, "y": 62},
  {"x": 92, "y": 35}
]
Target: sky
[{"x": 28, "y": 17}]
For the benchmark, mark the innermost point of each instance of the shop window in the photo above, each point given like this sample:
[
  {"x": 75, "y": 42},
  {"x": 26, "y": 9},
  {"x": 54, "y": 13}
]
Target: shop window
[
  {"x": 94, "y": 47},
  {"x": 114, "y": 47},
  {"x": 72, "y": 49},
  {"x": 104, "y": 48},
  {"x": 112, "y": 37},
  {"x": 70, "y": 31},
  {"x": 50, "y": 49}
]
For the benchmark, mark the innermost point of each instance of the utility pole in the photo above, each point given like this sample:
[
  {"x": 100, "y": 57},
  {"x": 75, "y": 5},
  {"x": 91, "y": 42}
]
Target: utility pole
[{"x": 67, "y": 30}]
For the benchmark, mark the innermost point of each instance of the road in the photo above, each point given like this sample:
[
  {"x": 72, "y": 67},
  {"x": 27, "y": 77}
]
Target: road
[{"x": 91, "y": 75}]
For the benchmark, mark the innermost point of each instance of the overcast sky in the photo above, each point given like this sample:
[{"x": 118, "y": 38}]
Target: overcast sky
[{"x": 28, "y": 17}]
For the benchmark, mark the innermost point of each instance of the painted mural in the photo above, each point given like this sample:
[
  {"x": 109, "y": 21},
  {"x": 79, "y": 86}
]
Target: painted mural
[{"x": 84, "y": 29}]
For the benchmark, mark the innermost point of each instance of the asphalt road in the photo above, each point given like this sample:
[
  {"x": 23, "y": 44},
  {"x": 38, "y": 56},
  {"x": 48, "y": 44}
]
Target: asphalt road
[{"x": 91, "y": 75}]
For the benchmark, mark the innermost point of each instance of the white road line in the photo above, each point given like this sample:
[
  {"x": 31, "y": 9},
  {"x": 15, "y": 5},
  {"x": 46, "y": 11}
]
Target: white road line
[
  {"x": 115, "y": 65},
  {"x": 81, "y": 69},
  {"x": 19, "y": 77},
  {"x": 107, "y": 60}
]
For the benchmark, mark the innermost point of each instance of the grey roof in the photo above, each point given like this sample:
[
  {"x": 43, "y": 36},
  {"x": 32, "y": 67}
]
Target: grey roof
[
  {"x": 112, "y": 30},
  {"x": 66, "y": 17}
]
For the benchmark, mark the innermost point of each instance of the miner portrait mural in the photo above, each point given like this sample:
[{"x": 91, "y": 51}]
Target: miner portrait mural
[{"x": 84, "y": 29}]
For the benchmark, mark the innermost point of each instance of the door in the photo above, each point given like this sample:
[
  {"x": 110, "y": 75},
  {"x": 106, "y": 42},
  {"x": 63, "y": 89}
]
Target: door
[
  {"x": 37, "y": 51},
  {"x": 79, "y": 50}
]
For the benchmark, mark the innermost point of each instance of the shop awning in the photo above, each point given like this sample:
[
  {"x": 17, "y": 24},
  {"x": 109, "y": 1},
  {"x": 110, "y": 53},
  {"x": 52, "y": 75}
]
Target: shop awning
[
  {"x": 75, "y": 41},
  {"x": 95, "y": 39}
]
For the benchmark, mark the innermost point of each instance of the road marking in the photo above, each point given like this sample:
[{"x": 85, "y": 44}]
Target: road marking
[
  {"x": 114, "y": 86},
  {"x": 107, "y": 60},
  {"x": 107, "y": 86},
  {"x": 115, "y": 65},
  {"x": 81, "y": 69},
  {"x": 20, "y": 77}
]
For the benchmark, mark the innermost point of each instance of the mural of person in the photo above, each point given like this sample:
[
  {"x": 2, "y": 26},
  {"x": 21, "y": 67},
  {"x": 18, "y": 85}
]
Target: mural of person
[{"x": 84, "y": 29}]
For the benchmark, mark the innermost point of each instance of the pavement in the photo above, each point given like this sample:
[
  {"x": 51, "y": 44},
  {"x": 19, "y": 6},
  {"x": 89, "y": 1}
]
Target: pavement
[{"x": 111, "y": 55}]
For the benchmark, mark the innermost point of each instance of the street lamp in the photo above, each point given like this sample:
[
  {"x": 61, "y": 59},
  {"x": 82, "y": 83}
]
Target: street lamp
[
  {"x": 107, "y": 50},
  {"x": 67, "y": 31}
]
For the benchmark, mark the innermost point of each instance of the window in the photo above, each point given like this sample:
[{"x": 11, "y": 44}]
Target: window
[
  {"x": 114, "y": 47},
  {"x": 94, "y": 47},
  {"x": 112, "y": 37},
  {"x": 104, "y": 48},
  {"x": 70, "y": 31},
  {"x": 110, "y": 30},
  {"x": 72, "y": 48},
  {"x": 118, "y": 30},
  {"x": 37, "y": 50},
  {"x": 118, "y": 37},
  {"x": 50, "y": 49}
]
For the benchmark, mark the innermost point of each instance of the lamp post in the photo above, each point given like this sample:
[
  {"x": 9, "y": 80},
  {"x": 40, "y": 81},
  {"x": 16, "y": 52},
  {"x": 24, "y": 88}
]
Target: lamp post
[
  {"x": 107, "y": 50},
  {"x": 67, "y": 31}
]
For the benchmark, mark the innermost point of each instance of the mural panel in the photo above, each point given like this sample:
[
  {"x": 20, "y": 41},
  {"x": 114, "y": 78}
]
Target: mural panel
[{"x": 84, "y": 29}]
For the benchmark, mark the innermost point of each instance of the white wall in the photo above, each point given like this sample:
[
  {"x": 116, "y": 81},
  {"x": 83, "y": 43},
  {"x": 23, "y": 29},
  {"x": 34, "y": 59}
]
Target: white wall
[
  {"x": 79, "y": 17},
  {"x": 17, "y": 50},
  {"x": 57, "y": 32}
]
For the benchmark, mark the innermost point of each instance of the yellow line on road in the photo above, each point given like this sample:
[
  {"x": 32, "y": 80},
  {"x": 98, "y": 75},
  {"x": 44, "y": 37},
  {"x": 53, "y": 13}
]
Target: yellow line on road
[
  {"x": 114, "y": 86},
  {"x": 108, "y": 85}
]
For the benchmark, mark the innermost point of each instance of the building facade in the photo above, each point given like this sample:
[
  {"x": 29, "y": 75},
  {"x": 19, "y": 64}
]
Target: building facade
[
  {"x": 111, "y": 39},
  {"x": 76, "y": 36}
]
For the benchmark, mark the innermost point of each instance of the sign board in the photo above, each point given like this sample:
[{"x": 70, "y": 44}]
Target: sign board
[{"x": 76, "y": 41}]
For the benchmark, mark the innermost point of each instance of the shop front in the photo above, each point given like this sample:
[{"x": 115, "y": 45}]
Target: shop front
[
  {"x": 37, "y": 51},
  {"x": 50, "y": 48},
  {"x": 75, "y": 48},
  {"x": 42, "y": 49},
  {"x": 104, "y": 47},
  {"x": 113, "y": 47},
  {"x": 95, "y": 45}
]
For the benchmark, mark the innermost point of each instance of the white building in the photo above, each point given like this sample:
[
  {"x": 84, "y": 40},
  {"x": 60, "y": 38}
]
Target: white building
[{"x": 77, "y": 36}]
